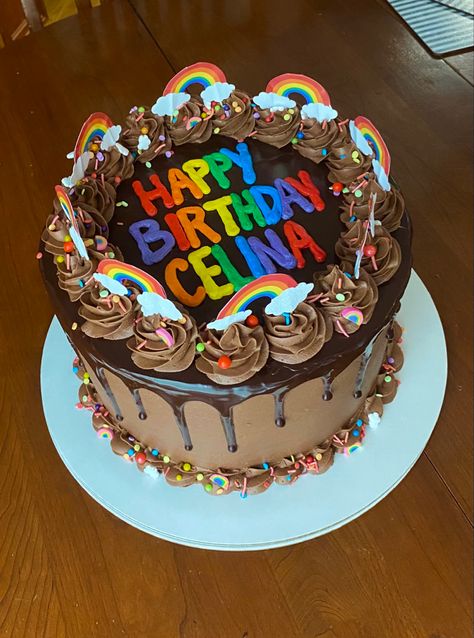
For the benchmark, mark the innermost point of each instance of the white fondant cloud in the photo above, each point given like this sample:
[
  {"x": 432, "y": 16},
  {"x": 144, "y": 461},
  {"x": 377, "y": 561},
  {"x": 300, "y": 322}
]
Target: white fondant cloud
[
  {"x": 217, "y": 92},
  {"x": 143, "y": 142},
  {"x": 225, "y": 322},
  {"x": 78, "y": 243},
  {"x": 273, "y": 101},
  {"x": 318, "y": 111},
  {"x": 374, "y": 420},
  {"x": 168, "y": 104},
  {"x": 111, "y": 139},
  {"x": 154, "y": 304},
  {"x": 359, "y": 140},
  {"x": 113, "y": 286},
  {"x": 381, "y": 175},
  {"x": 289, "y": 299},
  {"x": 78, "y": 170}
]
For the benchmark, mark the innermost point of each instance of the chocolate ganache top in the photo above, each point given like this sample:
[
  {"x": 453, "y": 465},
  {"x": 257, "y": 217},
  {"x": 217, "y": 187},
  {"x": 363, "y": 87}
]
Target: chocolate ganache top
[{"x": 251, "y": 209}]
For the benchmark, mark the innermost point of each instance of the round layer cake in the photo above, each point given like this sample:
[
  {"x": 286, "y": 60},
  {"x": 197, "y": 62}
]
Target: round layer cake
[{"x": 227, "y": 269}]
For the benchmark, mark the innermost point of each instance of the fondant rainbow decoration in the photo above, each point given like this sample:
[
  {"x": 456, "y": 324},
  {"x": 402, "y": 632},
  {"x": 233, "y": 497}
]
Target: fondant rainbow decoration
[
  {"x": 219, "y": 480},
  {"x": 93, "y": 128},
  {"x": 122, "y": 272},
  {"x": 268, "y": 286},
  {"x": 375, "y": 140},
  {"x": 66, "y": 205},
  {"x": 352, "y": 448},
  {"x": 288, "y": 84},
  {"x": 353, "y": 315},
  {"x": 203, "y": 73}
]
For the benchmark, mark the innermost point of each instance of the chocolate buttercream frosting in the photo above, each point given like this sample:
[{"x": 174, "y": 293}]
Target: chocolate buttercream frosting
[
  {"x": 92, "y": 195},
  {"x": 151, "y": 352},
  {"x": 276, "y": 128},
  {"x": 389, "y": 205},
  {"x": 74, "y": 279},
  {"x": 189, "y": 125},
  {"x": 234, "y": 118},
  {"x": 340, "y": 290},
  {"x": 346, "y": 163},
  {"x": 318, "y": 138},
  {"x": 110, "y": 317},
  {"x": 387, "y": 256},
  {"x": 246, "y": 348},
  {"x": 114, "y": 166},
  {"x": 300, "y": 339},
  {"x": 145, "y": 123},
  {"x": 53, "y": 235}
]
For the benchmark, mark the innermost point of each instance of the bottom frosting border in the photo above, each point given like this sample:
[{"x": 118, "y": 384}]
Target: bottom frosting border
[{"x": 254, "y": 479}]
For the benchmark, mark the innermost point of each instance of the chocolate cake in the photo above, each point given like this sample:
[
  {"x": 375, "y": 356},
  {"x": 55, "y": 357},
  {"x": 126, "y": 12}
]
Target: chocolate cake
[{"x": 227, "y": 269}]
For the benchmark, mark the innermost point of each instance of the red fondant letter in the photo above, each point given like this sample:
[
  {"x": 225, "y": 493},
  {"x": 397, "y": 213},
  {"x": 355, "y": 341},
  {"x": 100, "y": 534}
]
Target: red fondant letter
[
  {"x": 146, "y": 197},
  {"x": 298, "y": 238},
  {"x": 177, "y": 230},
  {"x": 308, "y": 189}
]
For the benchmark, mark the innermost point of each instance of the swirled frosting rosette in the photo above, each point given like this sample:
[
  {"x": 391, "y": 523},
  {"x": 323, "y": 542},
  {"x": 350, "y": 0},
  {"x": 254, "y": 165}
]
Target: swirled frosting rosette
[
  {"x": 105, "y": 315},
  {"x": 388, "y": 206},
  {"x": 381, "y": 254},
  {"x": 111, "y": 166},
  {"x": 337, "y": 290},
  {"x": 234, "y": 355},
  {"x": 277, "y": 119},
  {"x": 163, "y": 345},
  {"x": 188, "y": 124},
  {"x": 346, "y": 162},
  {"x": 145, "y": 134},
  {"x": 317, "y": 138},
  {"x": 74, "y": 279},
  {"x": 234, "y": 117},
  {"x": 297, "y": 336}
]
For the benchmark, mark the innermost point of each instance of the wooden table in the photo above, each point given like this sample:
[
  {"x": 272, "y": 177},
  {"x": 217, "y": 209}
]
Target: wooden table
[{"x": 67, "y": 566}]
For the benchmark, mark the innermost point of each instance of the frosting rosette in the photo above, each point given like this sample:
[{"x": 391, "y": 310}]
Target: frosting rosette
[
  {"x": 189, "y": 125},
  {"x": 389, "y": 205},
  {"x": 276, "y": 128},
  {"x": 143, "y": 122},
  {"x": 234, "y": 355},
  {"x": 73, "y": 279},
  {"x": 346, "y": 163},
  {"x": 234, "y": 117},
  {"x": 53, "y": 235},
  {"x": 386, "y": 257},
  {"x": 106, "y": 316},
  {"x": 301, "y": 338},
  {"x": 339, "y": 291},
  {"x": 164, "y": 346},
  {"x": 112, "y": 165},
  {"x": 318, "y": 138},
  {"x": 93, "y": 195}
]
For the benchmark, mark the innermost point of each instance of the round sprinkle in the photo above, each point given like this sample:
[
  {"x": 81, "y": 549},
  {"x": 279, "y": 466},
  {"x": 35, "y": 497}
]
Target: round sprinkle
[
  {"x": 154, "y": 452},
  {"x": 390, "y": 360},
  {"x": 294, "y": 140},
  {"x": 287, "y": 117},
  {"x": 136, "y": 447},
  {"x": 220, "y": 490},
  {"x": 252, "y": 321},
  {"x": 358, "y": 193},
  {"x": 162, "y": 138},
  {"x": 318, "y": 456},
  {"x": 148, "y": 164},
  {"x": 59, "y": 259},
  {"x": 300, "y": 135},
  {"x": 140, "y": 458},
  {"x": 186, "y": 467},
  {"x": 340, "y": 296},
  {"x": 168, "y": 154},
  {"x": 39, "y": 255},
  {"x": 179, "y": 477},
  {"x": 200, "y": 347},
  {"x": 238, "y": 109},
  {"x": 208, "y": 487},
  {"x": 355, "y": 432},
  {"x": 86, "y": 375},
  {"x": 166, "y": 459},
  {"x": 324, "y": 152},
  {"x": 144, "y": 130},
  {"x": 199, "y": 476},
  {"x": 104, "y": 293},
  {"x": 115, "y": 298},
  {"x": 130, "y": 452},
  {"x": 224, "y": 362},
  {"x": 291, "y": 111},
  {"x": 74, "y": 326},
  {"x": 359, "y": 423},
  {"x": 216, "y": 130},
  {"x": 265, "y": 466},
  {"x": 388, "y": 379},
  {"x": 141, "y": 109}
]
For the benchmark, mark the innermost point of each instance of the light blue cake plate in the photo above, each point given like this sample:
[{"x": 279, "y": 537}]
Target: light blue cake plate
[{"x": 283, "y": 515}]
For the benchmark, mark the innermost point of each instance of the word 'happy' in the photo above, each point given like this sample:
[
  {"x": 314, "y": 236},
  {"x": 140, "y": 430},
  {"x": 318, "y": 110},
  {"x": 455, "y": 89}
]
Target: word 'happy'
[{"x": 260, "y": 205}]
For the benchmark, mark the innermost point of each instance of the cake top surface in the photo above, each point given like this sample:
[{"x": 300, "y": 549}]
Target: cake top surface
[{"x": 216, "y": 236}]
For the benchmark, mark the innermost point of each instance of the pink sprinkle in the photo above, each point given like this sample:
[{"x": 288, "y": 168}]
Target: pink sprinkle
[
  {"x": 158, "y": 148},
  {"x": 39, "y": 255},
  {"x": 102, "y": 179},
  {"x": 139, "y": 117},
  {"x": 96, "y": 164},
  {"x": 337, "y": 439},
  {"x": 142, "y": 345},
  {"x": 339, "y": 325},
  {"x": 122, "y": 307},
  {"x": 351, "y": 207},
  {"x": 339, "y": 282},
  {"x": 252, "y": 133},
  {"x": 324, "y": 124},
  {"x": 244, "y": 488}
]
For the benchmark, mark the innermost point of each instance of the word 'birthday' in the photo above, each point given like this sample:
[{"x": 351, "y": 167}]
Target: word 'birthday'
[{"x": 232, "y": 214}]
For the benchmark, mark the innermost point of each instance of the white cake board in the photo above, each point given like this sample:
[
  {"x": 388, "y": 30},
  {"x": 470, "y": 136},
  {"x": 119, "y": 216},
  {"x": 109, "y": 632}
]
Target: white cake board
[{"x": 283, "y": 515}]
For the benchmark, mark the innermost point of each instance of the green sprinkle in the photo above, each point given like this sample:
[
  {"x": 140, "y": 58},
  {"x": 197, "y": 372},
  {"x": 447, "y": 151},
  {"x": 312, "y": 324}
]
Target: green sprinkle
[
  {"x": 148, "y": 164},
  {"x": 387, "y": 379},
  {"x": 200, "y": 347},
  {"x": 141, "y": 109},
  {"x": 294, "y": 140},
  {"x": 358, "y": 193}
]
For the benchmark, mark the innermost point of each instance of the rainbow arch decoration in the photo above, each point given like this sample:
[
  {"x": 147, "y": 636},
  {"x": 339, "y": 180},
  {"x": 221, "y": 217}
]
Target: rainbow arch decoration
[
  {"x": 267, "y": 286},
  {"x": 120, "y": 271},
  {"x": 289, "y": 84},
  {"x": 66, "y": 206},
  {"x": 375, "y": 140},
  {"x": 95, "y": 127},
  {"x": 203, "y": 73}
]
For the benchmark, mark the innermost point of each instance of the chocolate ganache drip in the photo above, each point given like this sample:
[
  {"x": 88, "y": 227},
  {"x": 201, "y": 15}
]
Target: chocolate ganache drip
[
  {"x": 346, "y": 163},
  {"x": 74, "y": 276},
  {"x": 234, "y": 355},
  {"x": 381, "y": 253},
  {"x": 164, "y": 346},
  {"x": 141, "y": 121},
  {"x": 189, "y": 125},
  {"x": 301, "y": 338},
  {"x": 234, "y": 118},
  {"x": 112, "y": 165},
  {"x": 276, "y": 128},
  {"x": 319, "y": 137},
  {"x": 106, "y": 316},
  {"x": 388, "y": 209},
  {"x": 340, "y": 290}
]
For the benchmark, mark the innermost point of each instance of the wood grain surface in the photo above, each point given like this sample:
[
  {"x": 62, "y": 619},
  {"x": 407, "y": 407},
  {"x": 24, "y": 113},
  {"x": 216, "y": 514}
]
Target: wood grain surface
[{"x": 67, "y": 566}]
